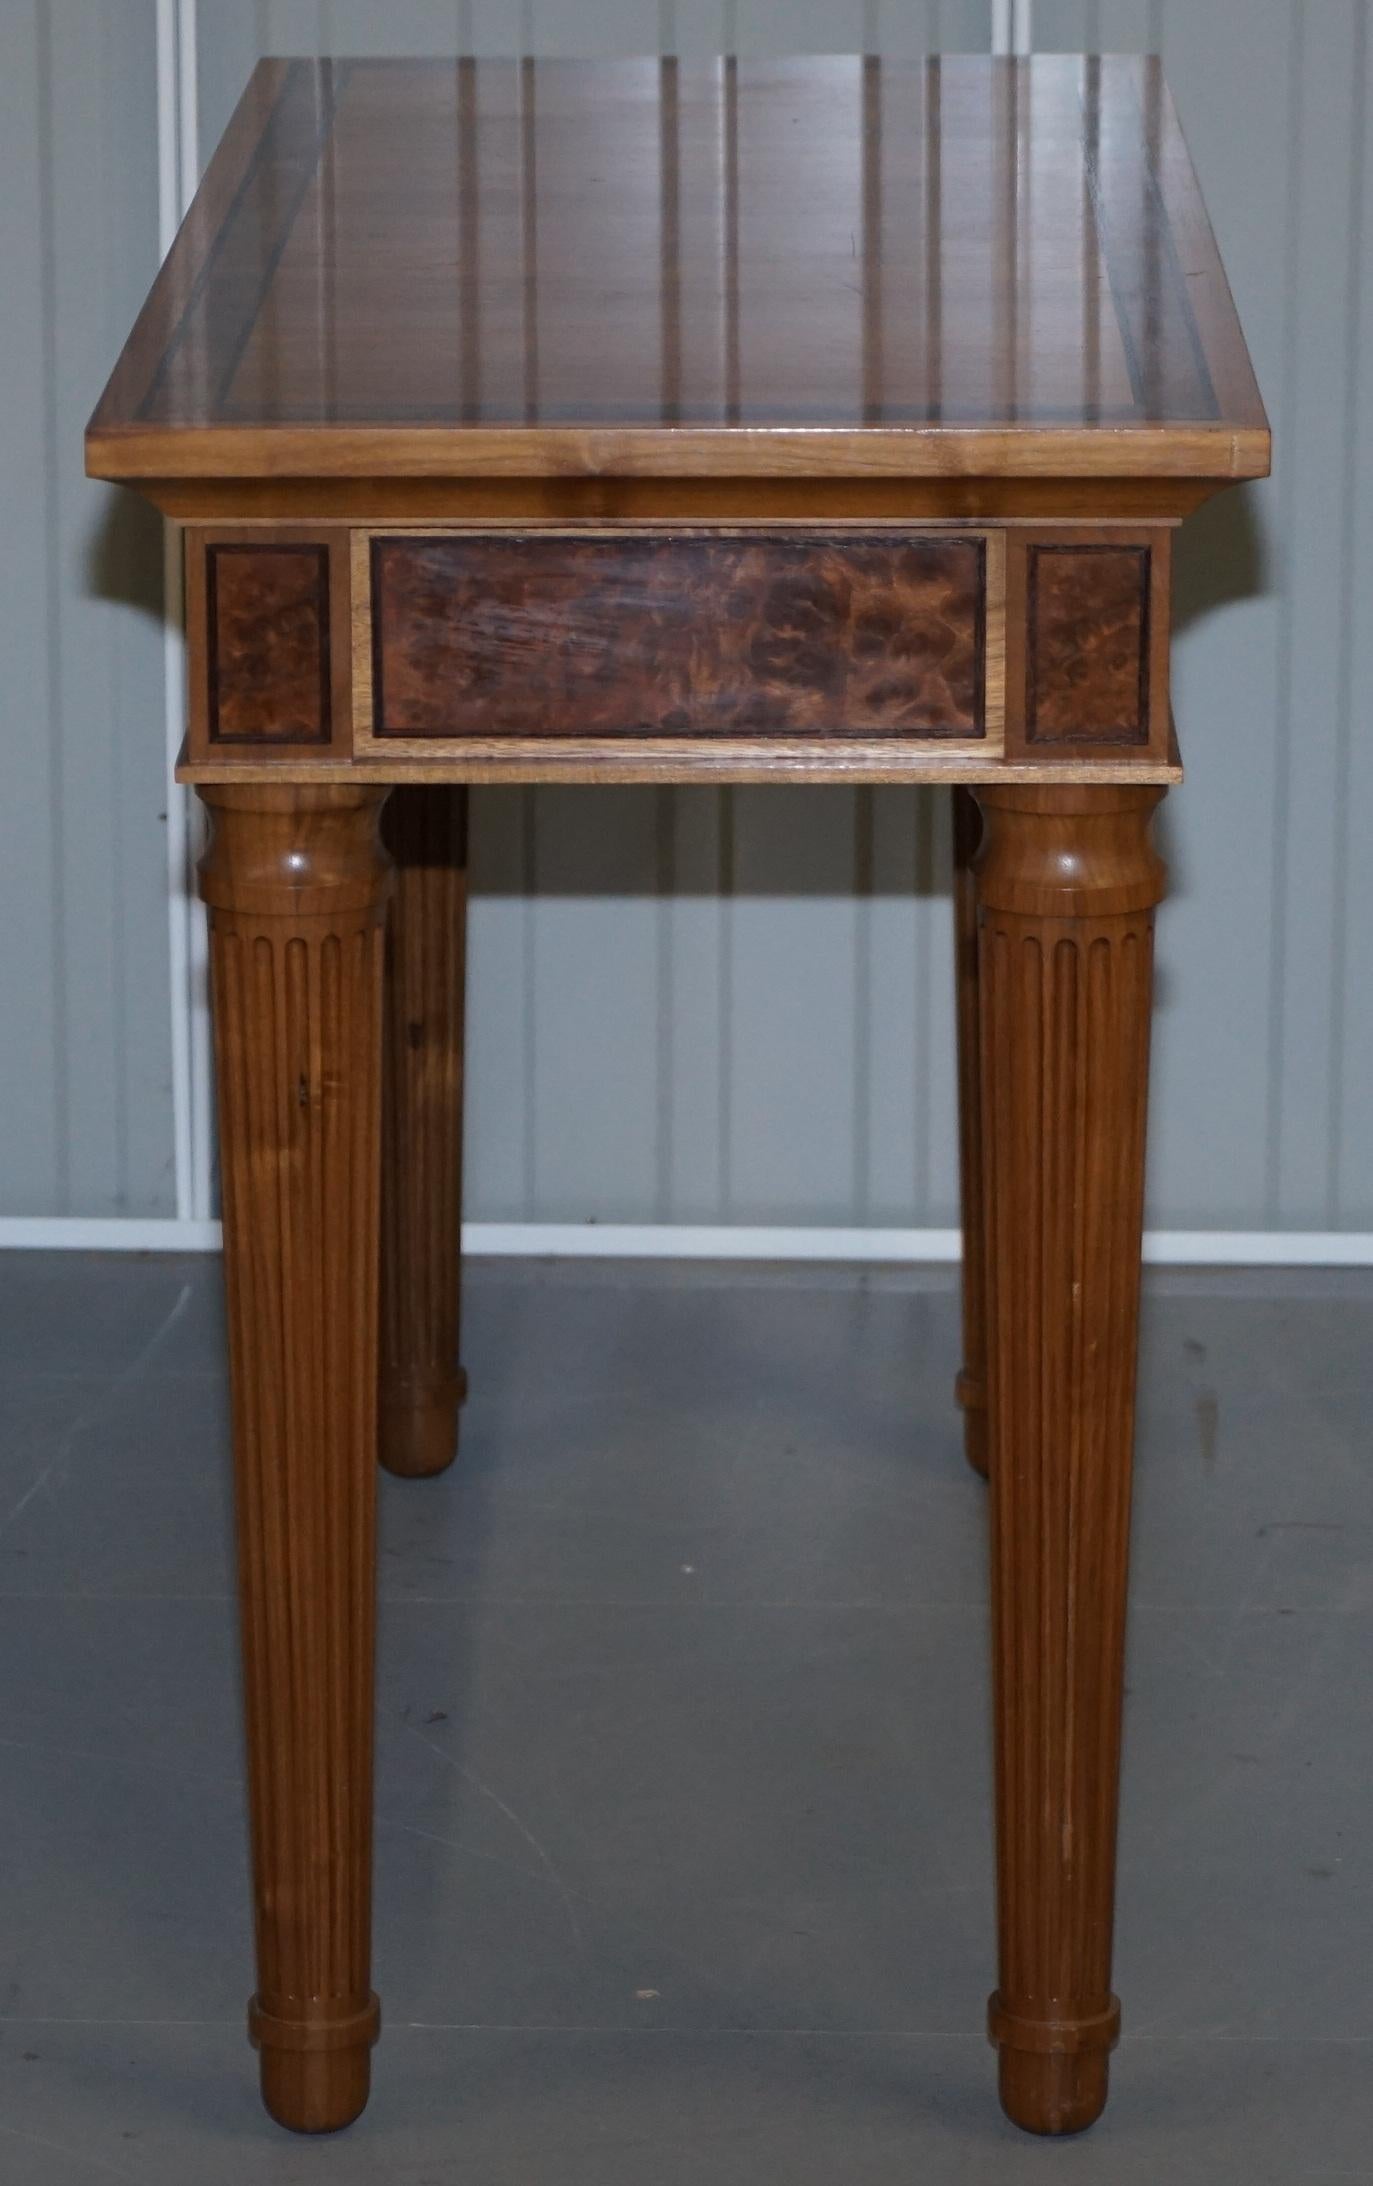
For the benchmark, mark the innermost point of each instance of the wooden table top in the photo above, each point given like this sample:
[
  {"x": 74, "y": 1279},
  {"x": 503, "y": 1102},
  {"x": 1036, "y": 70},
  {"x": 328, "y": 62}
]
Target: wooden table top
[{"x": 816, "y": 268}]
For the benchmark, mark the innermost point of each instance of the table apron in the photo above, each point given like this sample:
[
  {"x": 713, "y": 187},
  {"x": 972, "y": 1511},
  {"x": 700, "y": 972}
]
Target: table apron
[{"x": 860, "y": 652}]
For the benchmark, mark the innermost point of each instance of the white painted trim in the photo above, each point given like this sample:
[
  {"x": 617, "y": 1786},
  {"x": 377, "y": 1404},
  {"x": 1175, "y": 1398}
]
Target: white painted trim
[
  {"x": 705, "y": 1241},
  {"x": 711, "y": 1241},
  {"x": 731, "y": 1241},
  {"x": 97, "y": 1233},
  {"x": 173, "y": 660},
  {"x": 1012, "y": 26},
  {"x": 1258, "y": 1248},
  {"x": 192, "y": 1142},
  {"x": 200, "y": 1037},
  {"x": 187, "y": 99}
]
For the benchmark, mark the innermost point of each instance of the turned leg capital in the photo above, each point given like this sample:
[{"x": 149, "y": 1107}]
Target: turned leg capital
[
  {"x": 1068, "y": 853},
  {"x": 299, "y": 852}
]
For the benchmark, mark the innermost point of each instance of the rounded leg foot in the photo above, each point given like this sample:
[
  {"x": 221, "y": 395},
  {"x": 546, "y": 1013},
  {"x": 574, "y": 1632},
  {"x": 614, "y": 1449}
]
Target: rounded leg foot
[
  {"x": 316, "y": 2092},
  {"x": 972, "y": 1400},
  {"x": 315, "y": 2073},
  {"x": 417, "y": 1425},
  {"x": 1051, "y": 2092}
]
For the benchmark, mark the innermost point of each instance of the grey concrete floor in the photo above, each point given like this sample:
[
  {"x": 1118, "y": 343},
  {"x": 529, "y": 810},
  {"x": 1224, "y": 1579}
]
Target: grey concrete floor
[{"x": 684, "y": 1858}]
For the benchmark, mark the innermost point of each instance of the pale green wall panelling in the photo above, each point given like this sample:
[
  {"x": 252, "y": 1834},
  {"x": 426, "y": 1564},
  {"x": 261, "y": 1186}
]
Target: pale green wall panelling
[
  {"x": 85, "y": 1064},
  {"x": 1266, "y": 1012},
  {"x": 702, "y": 1005}
]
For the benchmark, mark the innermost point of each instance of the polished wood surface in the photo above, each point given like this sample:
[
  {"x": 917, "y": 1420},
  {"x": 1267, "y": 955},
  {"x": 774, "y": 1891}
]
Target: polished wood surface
[
  {"x": 422, "y": 1382},
  {"x": 823, "y": 265},
  {"x": 296, "y": 883},
  {"x": 1067, "y": 881},
  {"x": 607, "y": 497}
]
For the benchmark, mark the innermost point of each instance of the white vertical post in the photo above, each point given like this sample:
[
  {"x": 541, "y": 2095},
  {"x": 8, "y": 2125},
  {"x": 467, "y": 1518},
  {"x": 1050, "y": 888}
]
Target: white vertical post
[
  {"x": 177, "y": 173},
  {"x": 198, "y": 955},
  {"x": 1012, "y": 26}
]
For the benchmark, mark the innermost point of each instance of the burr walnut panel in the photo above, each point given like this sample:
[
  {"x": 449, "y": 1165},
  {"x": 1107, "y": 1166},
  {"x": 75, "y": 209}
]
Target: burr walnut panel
[
  {"x": 520, "y": 635},
  {"x": 267, "y": 651},
  {"x": 1087, "y": 642},
  {"x": 1088, "y": 645}
]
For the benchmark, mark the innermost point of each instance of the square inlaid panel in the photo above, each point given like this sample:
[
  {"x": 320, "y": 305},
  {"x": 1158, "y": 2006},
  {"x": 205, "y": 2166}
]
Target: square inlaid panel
[{"x": 1087, "y": 643}]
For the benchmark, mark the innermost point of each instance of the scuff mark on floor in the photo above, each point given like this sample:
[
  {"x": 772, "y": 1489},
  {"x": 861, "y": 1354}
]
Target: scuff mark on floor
[{"x": 88, "y": 1414}]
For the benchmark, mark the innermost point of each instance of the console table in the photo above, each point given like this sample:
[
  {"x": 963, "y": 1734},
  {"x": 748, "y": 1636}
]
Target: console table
[{"x": 824, "y": 420}]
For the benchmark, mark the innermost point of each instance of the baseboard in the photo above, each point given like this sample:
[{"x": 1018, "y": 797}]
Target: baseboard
[
  {"x": 714, "y": 1241},
  {"x": 102, "y": 1233}
]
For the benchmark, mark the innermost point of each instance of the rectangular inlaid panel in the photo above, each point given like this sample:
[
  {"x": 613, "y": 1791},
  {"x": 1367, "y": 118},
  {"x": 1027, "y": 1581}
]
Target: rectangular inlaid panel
[
  {"x": 267, "y": 632},
  {"x": 1088, "y": 643},
  {"x": 267, "y": 650},
  {"x": 554, "y": 636}
]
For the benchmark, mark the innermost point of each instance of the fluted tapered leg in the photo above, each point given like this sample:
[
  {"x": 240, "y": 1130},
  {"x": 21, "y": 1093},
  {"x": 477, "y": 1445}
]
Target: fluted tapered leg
[
  {"x": 296, "y": 881},
  {"x": 971, "y": 1386},
  {"x": 1066, "y": 886},
  {"x": 422, "y": 1383}
]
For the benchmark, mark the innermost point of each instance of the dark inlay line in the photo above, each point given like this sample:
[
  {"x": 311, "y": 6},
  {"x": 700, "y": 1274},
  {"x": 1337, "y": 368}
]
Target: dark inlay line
[
  {"x": 705, "y": 417},
  {"x": 1005, "y": 105},
  {"x": 670, "y": 243},
  {"x": 872, "y": 240},
  {"x": 1091, "y": 260},
  {"x": 1022, "y": 243},
  {"x": 469, "y": 246},
  {"x": 731, "y": 212},
  {"x": 228, "y": 292},
  {"x": 529, "y": 236},
  {"x": 328, "y": 269},
  {"x": 213, "y": 254},
  {"x": 1151, "y": 214},
  {"x": 1137, "y": 249},
  {"x": 934, "y": 245},
  {"x": 334, "y": 78}
]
